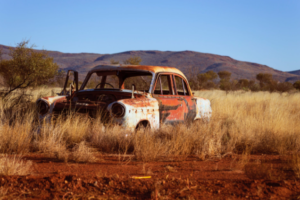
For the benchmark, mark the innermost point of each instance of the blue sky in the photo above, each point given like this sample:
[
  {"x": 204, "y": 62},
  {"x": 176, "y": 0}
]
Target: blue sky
[{"x": 261, "y": 31}]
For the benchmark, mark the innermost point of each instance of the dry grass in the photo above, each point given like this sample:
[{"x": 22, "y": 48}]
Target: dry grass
[
  {"x": 16, "y": 138},
  {"x": 181, "y": 140},
  {"x": 82, "y": 153},
  {"x": 14, "y": 165},
  {"x": 262, "y": 122},
  {"x": 170, "y": 169},
  {"x": 57, "y": 141},
  {"x": 265, "y": 122},
  {"x": 112, "y": 139},
  {"x": 50, "y": 140}
]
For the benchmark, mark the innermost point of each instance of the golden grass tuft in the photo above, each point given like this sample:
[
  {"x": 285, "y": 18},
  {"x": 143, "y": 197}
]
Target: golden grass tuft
[
  {"x": 82, "y": 153},
  {"x": 16, "y": 138},
  {"x": 14, "y": 165}
]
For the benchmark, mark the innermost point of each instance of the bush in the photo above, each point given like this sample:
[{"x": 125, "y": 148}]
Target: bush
[
  {"x": 205, "y": 80},
  {"x": 297, "y": 85},
  {"x": 26, "y": 68},
  {"x": 266, "y": 82},
  {"x": 135, "y": 60},
  {"x": 224, "y": 75},
  {"x": 225, "y": 85},
  {"x": 284, "y": 87},
  {"x": 243, "y": 83}
]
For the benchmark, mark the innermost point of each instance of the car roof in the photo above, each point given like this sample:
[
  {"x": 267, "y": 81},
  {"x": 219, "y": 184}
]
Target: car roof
[{"x": 153, "y": 69}]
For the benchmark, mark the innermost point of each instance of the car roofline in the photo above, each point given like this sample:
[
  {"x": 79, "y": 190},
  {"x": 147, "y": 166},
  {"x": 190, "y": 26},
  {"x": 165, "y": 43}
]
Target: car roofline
[{"x": 153, "y": 69}]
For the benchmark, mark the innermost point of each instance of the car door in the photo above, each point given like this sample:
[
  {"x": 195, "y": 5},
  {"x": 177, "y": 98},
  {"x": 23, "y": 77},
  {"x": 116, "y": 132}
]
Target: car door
[
  {"x": 170, "y": 106},
  {"x": 70, "y": 88},
  {"x": 73, "y": 85},
  {"x": 183, "y": 93}
]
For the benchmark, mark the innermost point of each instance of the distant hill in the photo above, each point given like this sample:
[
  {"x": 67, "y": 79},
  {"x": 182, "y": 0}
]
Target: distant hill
[
  {"x": 297, "y": 72},
  {"x": 190, "y": 62},
  {"x": 293, "y": 79}
]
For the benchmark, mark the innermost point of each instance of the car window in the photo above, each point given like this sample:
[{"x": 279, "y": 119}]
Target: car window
[
  {"x": 181, "y": 86},
  {"x": 110, "y": 82},
  {"x": 163, "y": 85},
  {"x": 141, "y": 83},
  {"x": 93, "y": 81}
]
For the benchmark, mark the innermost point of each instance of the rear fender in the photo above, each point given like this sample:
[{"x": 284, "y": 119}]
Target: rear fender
[{"x": 203, "y": 108}]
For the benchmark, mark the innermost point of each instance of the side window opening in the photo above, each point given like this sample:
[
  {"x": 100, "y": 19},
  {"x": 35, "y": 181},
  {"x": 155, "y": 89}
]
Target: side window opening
[
  {"x": 158, "y": 88},
  {"x": 141, "y": 83},
  {"x": 181, "y": 86},
  {"x": 163, "y": 85}
]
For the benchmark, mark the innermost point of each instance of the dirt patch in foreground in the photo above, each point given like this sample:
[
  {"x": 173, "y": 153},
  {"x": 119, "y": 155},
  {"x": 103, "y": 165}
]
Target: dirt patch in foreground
[{"x": 116, "y": 177}]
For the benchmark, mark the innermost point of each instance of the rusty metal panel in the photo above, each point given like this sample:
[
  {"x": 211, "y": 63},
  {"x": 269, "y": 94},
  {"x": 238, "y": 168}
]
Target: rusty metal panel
[
  {"x": 203, "y": 107},
  {"x": 137, "y": 110},
  {"x": 51, "y": 101}
]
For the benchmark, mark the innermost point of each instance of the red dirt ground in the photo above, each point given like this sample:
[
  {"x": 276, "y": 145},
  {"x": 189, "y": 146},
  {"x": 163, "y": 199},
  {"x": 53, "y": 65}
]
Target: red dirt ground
[{"x": 112, "y": 177}]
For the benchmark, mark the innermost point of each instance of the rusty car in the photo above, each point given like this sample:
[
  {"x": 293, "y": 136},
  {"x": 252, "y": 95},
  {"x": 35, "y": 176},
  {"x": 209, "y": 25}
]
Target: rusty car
[{"x": 130, "y": 96}]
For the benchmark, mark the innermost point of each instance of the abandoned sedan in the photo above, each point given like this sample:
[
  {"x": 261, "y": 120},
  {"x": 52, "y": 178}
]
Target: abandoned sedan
[{"x": 129, "y": 95}]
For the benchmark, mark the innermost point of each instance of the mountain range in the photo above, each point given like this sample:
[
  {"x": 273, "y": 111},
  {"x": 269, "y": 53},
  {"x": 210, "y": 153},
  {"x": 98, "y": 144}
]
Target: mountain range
[{"x": 190, "y": 62}]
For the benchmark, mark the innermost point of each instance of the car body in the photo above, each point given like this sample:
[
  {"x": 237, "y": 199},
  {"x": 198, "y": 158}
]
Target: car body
[{"x": 129, "y": 95}]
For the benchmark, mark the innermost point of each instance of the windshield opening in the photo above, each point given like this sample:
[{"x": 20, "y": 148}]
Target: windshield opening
[
  {"x": 119, "y": 80},
  {"x": 102, "y": 82}
]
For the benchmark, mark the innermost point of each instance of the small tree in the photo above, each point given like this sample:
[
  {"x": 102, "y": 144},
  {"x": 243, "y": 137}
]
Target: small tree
[
  {"x": 224, "y": 75},
  {"x": 136, "y": 60},
  {"x": 264, "y": 78},
  {"x": 113, "y": 62},
  {"x": 193, "y": 83},
  {"x": 26, "y": 68},
  {"x": 266, "y": 81},
  {"x": 284, "y": 87},
  {"x": 243, "y": 83},
  {"x": 207, "y": 76},
  {"x": 254, "y": 87},
  {"x": 205, "y": 80},
  {"x": 225, "y": 84},
  {"x": 59, "y": 79},
  {"x": 297, "y": 85},
  {"x": 225, "y": 80}
]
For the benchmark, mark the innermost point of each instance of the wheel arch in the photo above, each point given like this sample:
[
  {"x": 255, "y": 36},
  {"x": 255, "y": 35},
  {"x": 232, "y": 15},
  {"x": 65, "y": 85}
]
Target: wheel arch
[{"x": 143, "y": 123}]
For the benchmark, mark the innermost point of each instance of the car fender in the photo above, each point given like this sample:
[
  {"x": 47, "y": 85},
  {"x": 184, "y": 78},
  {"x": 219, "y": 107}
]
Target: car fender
[
  {"x": 203, "y": 108},
  {"x": 137, "y": 110},
  {"x": 51, "y": 100}
]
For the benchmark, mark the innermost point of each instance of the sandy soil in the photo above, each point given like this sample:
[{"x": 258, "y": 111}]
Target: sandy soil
[{"x": 117, "y": 177}]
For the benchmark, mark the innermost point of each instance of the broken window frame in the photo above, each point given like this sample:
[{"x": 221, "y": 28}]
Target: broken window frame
[
  {"x": 186, "y": 91},
  {"x": 170, "y": 84}
]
